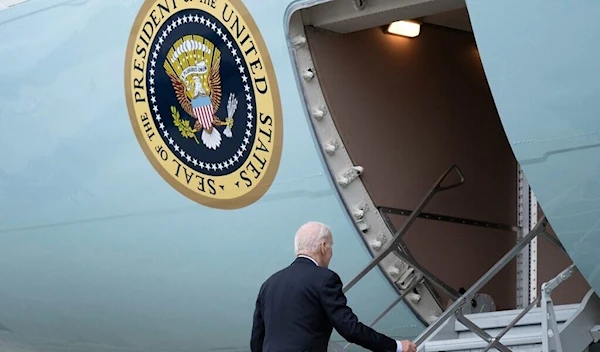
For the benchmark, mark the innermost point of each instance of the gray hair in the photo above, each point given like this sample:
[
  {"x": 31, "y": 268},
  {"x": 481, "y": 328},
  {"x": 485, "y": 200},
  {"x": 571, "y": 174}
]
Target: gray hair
[{"x": 309, "y": 236}]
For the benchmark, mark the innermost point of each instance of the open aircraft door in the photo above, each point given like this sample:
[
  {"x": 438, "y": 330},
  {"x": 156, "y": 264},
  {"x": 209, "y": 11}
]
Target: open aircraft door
[{"x": 541, "y": 60}]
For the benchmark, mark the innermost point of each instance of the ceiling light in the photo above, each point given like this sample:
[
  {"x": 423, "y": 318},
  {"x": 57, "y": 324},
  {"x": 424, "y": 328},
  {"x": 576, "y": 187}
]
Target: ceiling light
[{"x": 405, "y": 28}]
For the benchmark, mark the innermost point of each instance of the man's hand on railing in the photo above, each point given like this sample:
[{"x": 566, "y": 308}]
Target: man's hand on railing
[{"x": 408, "y": 346}]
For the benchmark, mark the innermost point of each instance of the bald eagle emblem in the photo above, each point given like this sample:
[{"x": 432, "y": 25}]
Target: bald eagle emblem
[{"x": 193, "y": 66}]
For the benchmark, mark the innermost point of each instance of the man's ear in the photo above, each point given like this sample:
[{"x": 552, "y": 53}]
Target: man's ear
[{"x": 323, "y": 247}]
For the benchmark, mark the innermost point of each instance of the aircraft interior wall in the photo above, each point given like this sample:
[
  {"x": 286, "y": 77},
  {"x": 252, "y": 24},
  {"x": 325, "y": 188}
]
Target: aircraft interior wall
[{"x": 409, "y": 108}]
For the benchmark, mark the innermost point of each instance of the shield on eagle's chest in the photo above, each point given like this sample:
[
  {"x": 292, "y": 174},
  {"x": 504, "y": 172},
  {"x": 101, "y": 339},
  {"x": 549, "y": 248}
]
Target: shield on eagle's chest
[{"x": 203, "y": 110}]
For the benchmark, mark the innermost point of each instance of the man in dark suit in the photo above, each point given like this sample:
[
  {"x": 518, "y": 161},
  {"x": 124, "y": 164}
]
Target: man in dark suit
[{"x": 298, "y": 307}]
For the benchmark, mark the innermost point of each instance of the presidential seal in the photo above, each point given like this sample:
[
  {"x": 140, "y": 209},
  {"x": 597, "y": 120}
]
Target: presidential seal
[{"x": 203, "y": 99}]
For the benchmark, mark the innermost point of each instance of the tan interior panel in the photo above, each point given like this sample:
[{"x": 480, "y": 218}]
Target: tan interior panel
[{"x": 409, "y": 108}]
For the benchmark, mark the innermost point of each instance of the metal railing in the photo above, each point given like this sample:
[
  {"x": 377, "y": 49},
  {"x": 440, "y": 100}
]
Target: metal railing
[
  {"x": 391, "y": 306},
  {"x": 397, "y": 246},
  {"x": 511, "y": 324},
  {"x": 549, "y": 326},
  {"x": 550, "y": 333},
  {"x": 455, "y": 308},
  {"x": 403, "y": 248},
  {"x": 437, "y": 187}
]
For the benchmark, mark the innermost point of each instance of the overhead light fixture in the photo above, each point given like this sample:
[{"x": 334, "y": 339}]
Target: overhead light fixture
[{"x": 405, "y": 28}]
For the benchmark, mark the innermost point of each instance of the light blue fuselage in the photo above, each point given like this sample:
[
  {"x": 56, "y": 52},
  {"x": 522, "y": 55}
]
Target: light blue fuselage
[{"x": 98, "y": 253}]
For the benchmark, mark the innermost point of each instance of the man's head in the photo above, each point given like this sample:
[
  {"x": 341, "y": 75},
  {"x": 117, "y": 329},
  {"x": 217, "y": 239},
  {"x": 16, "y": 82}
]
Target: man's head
[{"x": 314, "y": 239}]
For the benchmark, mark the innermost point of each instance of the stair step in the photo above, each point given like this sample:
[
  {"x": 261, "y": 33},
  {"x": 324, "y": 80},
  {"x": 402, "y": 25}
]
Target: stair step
[
  {"x": 527, "y": 329},
  {"x": 500, "y": 319},
  {"x": 516, "y": 341},
  {"x": 578, "y": 326},
  {"x": 525, "y": 336}
]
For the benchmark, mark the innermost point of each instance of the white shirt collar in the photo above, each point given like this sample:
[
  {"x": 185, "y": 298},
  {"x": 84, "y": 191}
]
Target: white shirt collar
[{"x": 307, "y": 257}]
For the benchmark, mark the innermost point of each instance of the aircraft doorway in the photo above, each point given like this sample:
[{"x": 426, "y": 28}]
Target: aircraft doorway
[{"x": 392, "y": 114}]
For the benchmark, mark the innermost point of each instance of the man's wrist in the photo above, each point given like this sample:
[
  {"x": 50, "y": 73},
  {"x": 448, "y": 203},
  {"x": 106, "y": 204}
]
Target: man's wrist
[{"x": 398, "y": 346}]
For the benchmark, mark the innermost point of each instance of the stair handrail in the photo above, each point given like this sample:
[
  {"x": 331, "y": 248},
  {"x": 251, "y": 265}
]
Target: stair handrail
[
  {"x": 437, "y": 187},
  {"x": 399, "y": 299},
  {"x": 547, "y": 313},
  {"x": 455, "y": 307}
]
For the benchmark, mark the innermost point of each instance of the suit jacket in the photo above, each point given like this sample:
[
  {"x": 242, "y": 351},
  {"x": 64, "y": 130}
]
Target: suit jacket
[{"x": 298, "y": 307}]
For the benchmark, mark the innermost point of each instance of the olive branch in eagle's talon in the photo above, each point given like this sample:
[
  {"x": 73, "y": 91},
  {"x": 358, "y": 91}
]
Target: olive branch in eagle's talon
[{"x": 183, "y": 125}]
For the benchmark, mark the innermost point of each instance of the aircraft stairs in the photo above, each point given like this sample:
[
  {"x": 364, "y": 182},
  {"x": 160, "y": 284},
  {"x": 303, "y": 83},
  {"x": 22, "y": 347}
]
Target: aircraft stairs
[
  {"x": 547, "y": 328},
  {"x": 521, "y": 329}
]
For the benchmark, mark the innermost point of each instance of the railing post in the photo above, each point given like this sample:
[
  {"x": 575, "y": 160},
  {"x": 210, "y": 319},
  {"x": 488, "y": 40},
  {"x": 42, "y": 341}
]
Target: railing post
[
  {"x": 550, "y": 333},
  {"x": 550, "y": 338}
]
